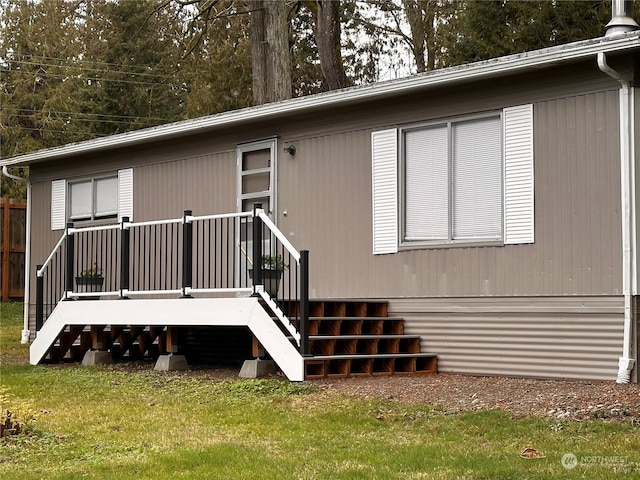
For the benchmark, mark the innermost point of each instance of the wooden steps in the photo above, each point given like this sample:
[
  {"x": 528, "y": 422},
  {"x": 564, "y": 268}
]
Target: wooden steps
[{"x": 351, "y": 338}]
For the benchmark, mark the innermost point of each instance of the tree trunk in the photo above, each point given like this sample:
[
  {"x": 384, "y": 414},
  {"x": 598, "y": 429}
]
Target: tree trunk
[
  {"x": 327, "y": 33},
  {"x": 270, "y": 56},
  {"x": 278, "y": 55},
  {"x": 258, "y": 53}
]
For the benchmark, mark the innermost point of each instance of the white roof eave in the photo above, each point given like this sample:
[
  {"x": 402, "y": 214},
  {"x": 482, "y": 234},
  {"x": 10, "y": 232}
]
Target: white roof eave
[{"x": 464, "y": 73}]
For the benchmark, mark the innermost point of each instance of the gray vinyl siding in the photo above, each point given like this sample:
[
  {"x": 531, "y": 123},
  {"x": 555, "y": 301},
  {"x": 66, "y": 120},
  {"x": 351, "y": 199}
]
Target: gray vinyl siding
[
  {"x": 204, "y": 184},
  {"x": 544, "y": 337},
  {"x": 577, "y": 220}
]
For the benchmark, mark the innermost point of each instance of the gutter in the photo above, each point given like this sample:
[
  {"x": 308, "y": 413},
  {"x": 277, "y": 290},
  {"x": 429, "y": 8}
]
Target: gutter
[
  {"x": 628, "y": 210},
  {"x": 348, "y": 96},
  {"x": 27, "y": 254}
]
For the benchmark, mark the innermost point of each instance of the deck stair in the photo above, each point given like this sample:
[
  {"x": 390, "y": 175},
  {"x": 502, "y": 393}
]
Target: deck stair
[{"x": 351, "y": 338}]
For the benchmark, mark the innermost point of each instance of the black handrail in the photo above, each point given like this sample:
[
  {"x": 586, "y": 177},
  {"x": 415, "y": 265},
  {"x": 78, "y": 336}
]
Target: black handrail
[{"x": 188, "y": 255}]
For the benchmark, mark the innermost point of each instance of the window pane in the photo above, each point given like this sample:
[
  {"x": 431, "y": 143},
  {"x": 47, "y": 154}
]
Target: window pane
[
  {"x": 426, "y": 184},
  {"x": 80, "y": 194},
  {"x": 106, "y": 196},
  {"x": 257, "y": 182},
  {"x": 256, "y": 159},
  {"x": 477, "y": 179}
]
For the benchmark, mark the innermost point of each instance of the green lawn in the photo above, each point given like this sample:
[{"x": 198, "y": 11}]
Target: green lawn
[{"x": 130, "y": 422}]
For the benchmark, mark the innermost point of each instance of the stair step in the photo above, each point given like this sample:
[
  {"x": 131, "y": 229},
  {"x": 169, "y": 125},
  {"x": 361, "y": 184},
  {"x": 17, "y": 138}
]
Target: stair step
[
  {"x": 370, "y": 355},
  {"x": 356, "y": 326},
  {"x": 375, "y": 364},
  {"x": 363, "y": 337},
  {"x": 337, "y": 307}
]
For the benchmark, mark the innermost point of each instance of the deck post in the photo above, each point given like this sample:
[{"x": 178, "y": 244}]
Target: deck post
[
  {"x": 304, "y": 303},
  {"x": 171, "y": 360},
  {"x": 69, "y": 260},
  {"x": 39, "y": 299},
  {"x": 187, "y": 254},
  {"x": 257, "y": 247},
  {"x": 125, "y": 246}
]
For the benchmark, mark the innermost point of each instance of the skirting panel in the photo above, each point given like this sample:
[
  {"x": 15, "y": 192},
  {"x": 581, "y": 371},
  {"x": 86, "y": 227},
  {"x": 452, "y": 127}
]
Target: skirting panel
[{"x": 544, "y": 337}]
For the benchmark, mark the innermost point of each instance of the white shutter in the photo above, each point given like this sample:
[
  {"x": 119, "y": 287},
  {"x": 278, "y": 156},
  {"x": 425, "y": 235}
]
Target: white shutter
[
  {"x": 58, "y": 204},
  {"x": 384, "y": 175},
  {"x": 518, "y": 175},
  {"x": 125, "y": 194},
  {"x": 426, "y": 184},
  {"x": 477, "y": 179}
]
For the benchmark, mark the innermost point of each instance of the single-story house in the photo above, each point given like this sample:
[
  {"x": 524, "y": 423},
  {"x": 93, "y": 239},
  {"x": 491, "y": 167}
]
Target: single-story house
[{"x": 490, "y": 206}]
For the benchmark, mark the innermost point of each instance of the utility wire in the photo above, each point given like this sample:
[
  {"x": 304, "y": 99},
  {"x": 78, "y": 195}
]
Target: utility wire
[
  {"x": 27, "y": 113},
  {"x": 77, "y": 60},
  {"x": 89, "y": 120},
  {"x": 96, "y": 79},
  {"x": 89, "y": 69},
  {"x": 68, "y": 132}
]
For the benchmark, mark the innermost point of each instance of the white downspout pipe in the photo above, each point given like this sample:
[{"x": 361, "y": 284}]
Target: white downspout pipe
[
  {"x": 628, "y": 197},
  {"x": 27, "y": 254}
]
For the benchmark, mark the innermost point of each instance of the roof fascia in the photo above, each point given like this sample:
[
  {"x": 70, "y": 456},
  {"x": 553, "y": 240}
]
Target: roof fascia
[{"x": 464, "y": 73}]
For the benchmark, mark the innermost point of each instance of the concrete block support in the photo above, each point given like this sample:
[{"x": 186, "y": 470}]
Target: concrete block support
[
  {"x": 97, "y": 357},
  {"x": 257, "y": 368},
  {"x": 171, "y": 362}
]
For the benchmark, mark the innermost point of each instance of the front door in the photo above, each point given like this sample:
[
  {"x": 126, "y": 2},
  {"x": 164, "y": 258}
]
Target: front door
[
  {"x": 256, "y": 163},
  {"x": 256, "y": 176}
]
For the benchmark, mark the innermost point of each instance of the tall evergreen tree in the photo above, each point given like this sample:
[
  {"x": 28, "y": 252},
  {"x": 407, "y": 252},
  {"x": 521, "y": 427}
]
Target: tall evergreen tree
[
  {"x": 134, "y": 59},
  {"x": 37, "y": 85},
  {"x": 488, "y": 29},
  {"x": 216, "y": 61}
]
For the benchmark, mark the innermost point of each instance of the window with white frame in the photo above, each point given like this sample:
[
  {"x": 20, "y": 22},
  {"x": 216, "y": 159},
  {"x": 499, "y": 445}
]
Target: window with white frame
[
  {"x": 93, "y": 199},
  {"x": 100, "y": 197},
  {"x": 454, "y": 181}
]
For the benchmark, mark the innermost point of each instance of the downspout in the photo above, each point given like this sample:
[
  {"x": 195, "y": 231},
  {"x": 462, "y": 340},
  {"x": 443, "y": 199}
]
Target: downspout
[
  {"x": 628, "y": 195},
  {"x": 27, "y": 254}
]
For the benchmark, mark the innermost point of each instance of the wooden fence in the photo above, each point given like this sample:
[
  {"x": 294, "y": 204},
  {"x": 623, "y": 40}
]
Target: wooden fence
[{"x": 13, "y": 223}]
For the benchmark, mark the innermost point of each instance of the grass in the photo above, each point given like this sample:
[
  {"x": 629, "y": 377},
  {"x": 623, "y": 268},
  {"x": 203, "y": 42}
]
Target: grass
[{"x": 125, "y": 421}]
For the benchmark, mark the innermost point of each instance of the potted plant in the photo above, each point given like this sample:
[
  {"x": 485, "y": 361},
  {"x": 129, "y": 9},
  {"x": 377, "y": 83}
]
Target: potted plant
[
  {"x": 272, "y": 268},
  {"x": 91, "y": 279}
]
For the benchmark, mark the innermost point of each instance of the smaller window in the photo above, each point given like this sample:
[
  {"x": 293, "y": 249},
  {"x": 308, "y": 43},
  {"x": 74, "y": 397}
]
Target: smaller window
[{"x": 93, "y": 199}]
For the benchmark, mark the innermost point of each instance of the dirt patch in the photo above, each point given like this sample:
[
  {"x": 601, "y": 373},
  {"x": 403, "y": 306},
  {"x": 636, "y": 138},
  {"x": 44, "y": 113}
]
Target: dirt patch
[{"x": 558, "y": 399}]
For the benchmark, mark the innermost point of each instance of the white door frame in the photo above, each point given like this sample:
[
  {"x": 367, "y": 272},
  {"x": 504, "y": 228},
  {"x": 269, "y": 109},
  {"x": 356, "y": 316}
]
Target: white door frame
[{"x": 272, "y": 145}]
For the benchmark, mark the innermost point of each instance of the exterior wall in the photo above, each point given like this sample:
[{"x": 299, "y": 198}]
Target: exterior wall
[
  {"x": 204, "y": 184},
  {"x": 544, "y": 337},
  {"x": 577, "y": 219},
  {"x": 556, "y": 302}
]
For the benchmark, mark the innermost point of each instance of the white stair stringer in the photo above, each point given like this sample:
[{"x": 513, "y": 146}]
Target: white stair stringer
[
  {"x": 182, "y": 312},
  {"x": 45, "y": 337},
  {"x": 280, "y": 314}
]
